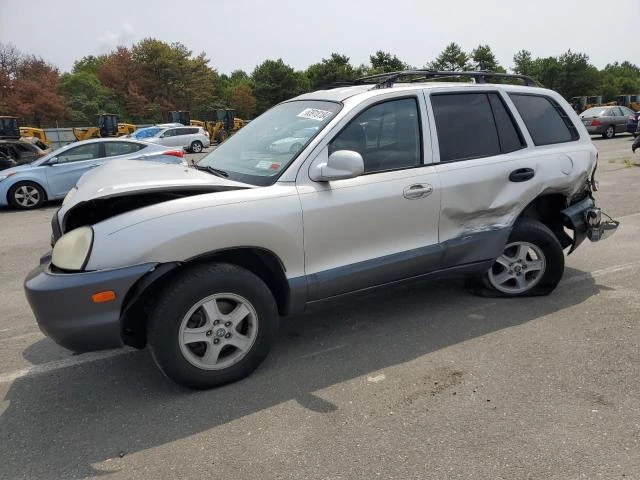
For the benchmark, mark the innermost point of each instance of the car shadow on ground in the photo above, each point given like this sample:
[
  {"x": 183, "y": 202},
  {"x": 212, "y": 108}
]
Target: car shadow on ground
[{"x": 58, "y": 425}]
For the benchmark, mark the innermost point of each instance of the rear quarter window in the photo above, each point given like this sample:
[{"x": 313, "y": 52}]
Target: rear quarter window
[{"x": 545, "y": 119}]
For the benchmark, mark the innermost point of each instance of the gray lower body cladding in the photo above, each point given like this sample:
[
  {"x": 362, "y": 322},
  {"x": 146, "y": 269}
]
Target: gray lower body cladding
[
  {"x": 65, "y": 311},
  {"x": 471, "y": 249}
]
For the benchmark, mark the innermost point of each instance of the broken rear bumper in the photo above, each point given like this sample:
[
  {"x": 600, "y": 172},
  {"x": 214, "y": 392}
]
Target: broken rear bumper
[{"x": 586, "y": 220}]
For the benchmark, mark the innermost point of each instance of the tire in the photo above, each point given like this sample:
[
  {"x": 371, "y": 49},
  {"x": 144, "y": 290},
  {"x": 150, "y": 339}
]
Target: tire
[
  {"x": 182, "y": 329},
  {"x": 610, "y": 132},
  {"x": 196, "y": 147},
  {"x": 532, "y": 264},
  {"x": 221, "y": 136},
  {"x": 26, "y": 195}
]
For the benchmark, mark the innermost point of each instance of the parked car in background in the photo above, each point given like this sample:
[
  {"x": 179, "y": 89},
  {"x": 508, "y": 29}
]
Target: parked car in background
[
  {"x": 294, "y": 142},
  {"x": 606, "y": 120},
  {"x": 193, "y": 139},
  {"x": 22, "y": 151},
  {"x": 27, "y": 186},
  {"x": 632, "y": 123}
]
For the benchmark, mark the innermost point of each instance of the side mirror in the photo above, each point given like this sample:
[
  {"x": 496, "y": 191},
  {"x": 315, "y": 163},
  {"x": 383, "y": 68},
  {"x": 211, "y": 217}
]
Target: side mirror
[
  {"x": 339, "y": 165},
  {"x": 52, "y": 161}
]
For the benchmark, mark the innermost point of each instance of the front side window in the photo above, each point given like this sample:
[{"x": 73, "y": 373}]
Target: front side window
[
  {"x": 113, "y": 149},
  {"x": 387, "y": 135},
  {"x": 545, "y": 119},
  {"x": 260, "y": 151},
  {"x": 169, "y": 133},
  {"x": 83, "y": 152}
]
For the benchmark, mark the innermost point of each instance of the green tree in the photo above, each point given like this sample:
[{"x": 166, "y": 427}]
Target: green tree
[
  {"x": 452, "y": 58},
  {"x": 336, "y": 68},
  {"x": 577, "y": 76},
  {"x": 382, "y": 62},
  {"x": 523, "y": 63},
  {"x": 86, "y": 97},
  {"x": 484, "y": 59},
  {"x": 243, "y": 100},
  {"x": 89, "y": 64},
  {"x": 275, "y": 81}
]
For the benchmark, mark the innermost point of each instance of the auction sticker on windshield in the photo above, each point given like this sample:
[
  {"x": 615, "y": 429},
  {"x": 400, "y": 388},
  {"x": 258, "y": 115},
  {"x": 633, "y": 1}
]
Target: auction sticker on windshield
[
  {"x": 268, "y": 165},
  {"x": 314, "y": 114}
]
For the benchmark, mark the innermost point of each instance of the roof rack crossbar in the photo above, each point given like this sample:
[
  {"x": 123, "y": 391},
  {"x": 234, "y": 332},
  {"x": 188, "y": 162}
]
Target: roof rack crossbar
[{"x": 385, "y": 80}]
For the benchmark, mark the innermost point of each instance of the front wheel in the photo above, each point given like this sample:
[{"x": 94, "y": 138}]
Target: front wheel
[
  {"x": 532, "y": 263},
  {"x": 609, "y": 132},
  {"x": 214, "y": 324},
  {"x": 26, "y": 195}
]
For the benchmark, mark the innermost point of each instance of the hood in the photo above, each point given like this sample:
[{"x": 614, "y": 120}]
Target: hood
[
  {"x": 123, "y": 185},
  {"x": 119, "y": 177},
  {"x": 17, "y": 169}
]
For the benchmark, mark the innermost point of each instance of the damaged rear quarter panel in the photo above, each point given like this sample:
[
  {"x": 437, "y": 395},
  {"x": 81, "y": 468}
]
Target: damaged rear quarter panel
[
  {"x": 477, "y": 194},
  {"x": 267, "y": 217}
]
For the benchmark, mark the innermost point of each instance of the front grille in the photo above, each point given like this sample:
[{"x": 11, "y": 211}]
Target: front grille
[{"x": 56, "y": 231}]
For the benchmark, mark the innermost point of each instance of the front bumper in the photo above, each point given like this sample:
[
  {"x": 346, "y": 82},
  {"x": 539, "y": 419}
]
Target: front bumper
[
  {"x": 585, "y": 219},
  {"x": 65, "y": 311}
]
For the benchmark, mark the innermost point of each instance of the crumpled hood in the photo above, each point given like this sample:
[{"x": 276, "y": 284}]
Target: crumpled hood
[{"x": 122, "y": 176}]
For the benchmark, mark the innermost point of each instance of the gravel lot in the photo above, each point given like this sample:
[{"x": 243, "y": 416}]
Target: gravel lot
[{"x": 427, "y": 382}]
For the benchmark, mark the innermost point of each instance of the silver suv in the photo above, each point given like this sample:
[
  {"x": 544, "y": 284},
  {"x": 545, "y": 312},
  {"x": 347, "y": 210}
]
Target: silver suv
[
  {"x": 193, "y": 139},
  {"x": 391, "y": 180}
]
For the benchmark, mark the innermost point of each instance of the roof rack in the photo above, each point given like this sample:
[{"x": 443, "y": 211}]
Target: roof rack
[{"x": 386, "y": 80}]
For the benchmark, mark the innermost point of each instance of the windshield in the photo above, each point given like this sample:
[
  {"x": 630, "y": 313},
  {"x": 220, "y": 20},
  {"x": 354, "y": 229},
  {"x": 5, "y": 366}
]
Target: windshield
[
  {"x": 145, "y": 132},
  {"x": 263, "y": 149},
  {"x": 594, "y": 112}
]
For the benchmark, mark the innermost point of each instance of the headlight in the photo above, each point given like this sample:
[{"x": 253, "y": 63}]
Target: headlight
[
  {"x": 71, "y": 251},
  {"x": 69, "y": 195}
]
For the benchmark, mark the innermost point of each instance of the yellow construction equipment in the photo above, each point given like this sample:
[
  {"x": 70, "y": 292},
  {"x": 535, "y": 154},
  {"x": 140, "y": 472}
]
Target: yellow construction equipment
[
  {"x": 631, "y": 101},
  {"x": 224, "y": 123},
  {"x": 9, "y": 127},
  {"x": 108, "y": 126},
  {"x": 38, "y": 133}
]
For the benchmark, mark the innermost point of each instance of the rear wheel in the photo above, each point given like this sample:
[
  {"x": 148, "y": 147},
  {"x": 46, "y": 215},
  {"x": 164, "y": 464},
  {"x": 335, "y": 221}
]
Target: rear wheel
[
  {"x": 26, "y": 195},
  {"x": 532, "y": 263},
  {"x": 610, "y": 132},
  {"x": 214, "y": 324},
  {"x": 196, "y": 147}
]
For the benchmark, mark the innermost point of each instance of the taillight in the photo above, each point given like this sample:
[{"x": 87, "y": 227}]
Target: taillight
[
  {"x": 595, "y": 122},
  {"x": 175, "y": 153}
]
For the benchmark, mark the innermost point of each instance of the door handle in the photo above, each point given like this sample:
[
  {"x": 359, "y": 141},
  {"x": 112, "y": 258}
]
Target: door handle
[
  {"x": 522, "y": 175},
  {"x": 96, "y": 164},
  {"x": 417, "y": 190}
]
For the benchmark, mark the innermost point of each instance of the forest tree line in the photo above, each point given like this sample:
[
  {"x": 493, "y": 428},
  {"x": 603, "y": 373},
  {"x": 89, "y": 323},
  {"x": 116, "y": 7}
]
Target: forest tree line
[{"x": 141, "y": 83}]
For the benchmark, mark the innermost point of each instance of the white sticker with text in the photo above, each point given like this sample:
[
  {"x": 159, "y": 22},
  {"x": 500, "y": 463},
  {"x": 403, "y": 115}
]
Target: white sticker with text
[{"x": 314, "y": 114}]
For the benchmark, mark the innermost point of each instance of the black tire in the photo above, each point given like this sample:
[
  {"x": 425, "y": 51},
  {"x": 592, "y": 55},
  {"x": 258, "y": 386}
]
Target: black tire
[
  {"x": 196, "y": 147},
  {"x": 610, "y": 132},
  {"x": 539, "y": 235},
  {"x": 221, "y": 136},
  {"x": 184, "y": 292},
  {"x": 37, "y": 196}
]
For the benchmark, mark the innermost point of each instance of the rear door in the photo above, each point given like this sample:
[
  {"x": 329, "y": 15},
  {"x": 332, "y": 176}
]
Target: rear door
[
  {"x": 71, "y": 165},
  {"x": 489, "y": 167}
]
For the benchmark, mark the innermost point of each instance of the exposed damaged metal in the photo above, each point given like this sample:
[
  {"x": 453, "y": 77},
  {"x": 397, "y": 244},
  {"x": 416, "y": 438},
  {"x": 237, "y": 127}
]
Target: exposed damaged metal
[{"x": 100, "y": 209}]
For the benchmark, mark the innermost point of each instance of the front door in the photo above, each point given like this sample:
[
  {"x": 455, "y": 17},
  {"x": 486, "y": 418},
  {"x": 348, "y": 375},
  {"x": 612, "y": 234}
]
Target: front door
[
  {"x": 71, "y": 165},
  {"x": 383, "y": 225}
]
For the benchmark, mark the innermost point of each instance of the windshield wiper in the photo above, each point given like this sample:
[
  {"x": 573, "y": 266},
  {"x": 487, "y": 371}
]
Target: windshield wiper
[{"x": 213, "y": 171}]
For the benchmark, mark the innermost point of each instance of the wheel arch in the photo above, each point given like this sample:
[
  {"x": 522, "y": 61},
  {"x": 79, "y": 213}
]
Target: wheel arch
[
  {"x": 29, "y": 179},
  {"x": 547, "y": 209},
  {"x": 138, "y": 301}
]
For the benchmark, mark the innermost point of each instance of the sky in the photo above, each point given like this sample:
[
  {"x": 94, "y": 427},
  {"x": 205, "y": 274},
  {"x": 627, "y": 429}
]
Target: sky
[{"x": 241, "y": 34}]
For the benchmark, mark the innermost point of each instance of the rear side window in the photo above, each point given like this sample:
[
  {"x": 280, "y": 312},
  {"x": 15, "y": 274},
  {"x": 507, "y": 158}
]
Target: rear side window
[
  {"x": 187, "y": 131},
  {"x": 545, "y": 119},
  {"x": 113, "y": 149},
  {"x": 474, "y": 125}
]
